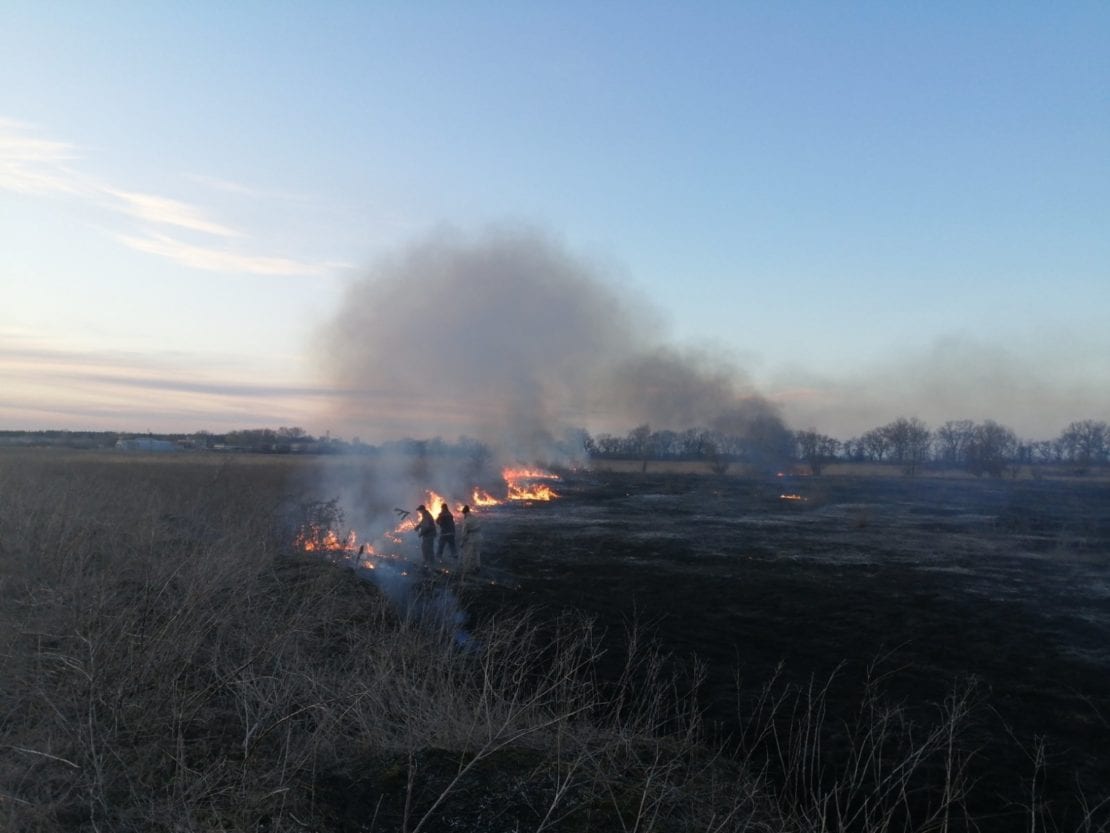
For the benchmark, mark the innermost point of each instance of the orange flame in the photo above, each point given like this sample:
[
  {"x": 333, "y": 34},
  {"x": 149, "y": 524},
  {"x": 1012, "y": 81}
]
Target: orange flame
[
  {"x": 511, "y": 474},
  {"x": 540, "y": 491},
  {"x": 313, "y": 538},
  {"x": 434, "y": 502},
  {"x": 521, "y": 486},
  {"x": 481, "y": 498}
]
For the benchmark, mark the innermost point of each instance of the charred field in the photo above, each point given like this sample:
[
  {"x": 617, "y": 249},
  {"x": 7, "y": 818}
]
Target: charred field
[{"x": 918, "y": 586}]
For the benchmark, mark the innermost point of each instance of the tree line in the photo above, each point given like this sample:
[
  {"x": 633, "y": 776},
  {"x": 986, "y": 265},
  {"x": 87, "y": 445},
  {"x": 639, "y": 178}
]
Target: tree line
[{"x": 982, "y": 448}]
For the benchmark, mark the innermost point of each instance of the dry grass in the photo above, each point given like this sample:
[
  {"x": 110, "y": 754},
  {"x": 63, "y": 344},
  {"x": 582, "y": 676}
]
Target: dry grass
[{"x": 170, "y": 666}]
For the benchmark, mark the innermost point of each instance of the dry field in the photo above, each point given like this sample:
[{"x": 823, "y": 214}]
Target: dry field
[{"x": 170, "y": 663}]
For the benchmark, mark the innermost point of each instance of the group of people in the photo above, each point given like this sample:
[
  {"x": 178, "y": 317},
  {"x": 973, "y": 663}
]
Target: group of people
[{"x": 471, "y": 540}]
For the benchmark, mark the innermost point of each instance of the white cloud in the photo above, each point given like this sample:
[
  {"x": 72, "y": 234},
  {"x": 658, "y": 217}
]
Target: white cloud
[
  {"x": 32, "y": 165},
  {"x": 36, "y": 166},
  {"x": 165, "y": 211},
  {"x": 218, "y": 260}
]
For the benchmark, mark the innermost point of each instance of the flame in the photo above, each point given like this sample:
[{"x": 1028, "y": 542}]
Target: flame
[
  {"x": 510, "y": 474},
  {"x": 434, "y": 502},
  {"x": 481, "y": 498},
  {"x": 539, "y": 491},
  {"x": 793, "y": 497},
  {"x": 520, "y": 484},
  {"x": 313, "y": 538}
]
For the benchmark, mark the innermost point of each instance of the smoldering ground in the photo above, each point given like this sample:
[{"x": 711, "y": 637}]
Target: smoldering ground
[{"x": 512, "y": 339}]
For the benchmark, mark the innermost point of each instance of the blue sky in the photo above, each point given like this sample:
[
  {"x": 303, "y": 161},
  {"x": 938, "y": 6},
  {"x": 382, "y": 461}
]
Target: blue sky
[{"x": 878, "y": 209}]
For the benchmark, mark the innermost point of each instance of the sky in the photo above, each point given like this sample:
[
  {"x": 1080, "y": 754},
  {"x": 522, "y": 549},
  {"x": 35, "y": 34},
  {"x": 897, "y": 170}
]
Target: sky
[{"x": 872, "y": 209}]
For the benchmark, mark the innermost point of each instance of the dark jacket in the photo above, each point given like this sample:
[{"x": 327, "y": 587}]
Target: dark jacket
[
  {"x": 445, "y": 521},
  {"x": 426, "y": 526}
]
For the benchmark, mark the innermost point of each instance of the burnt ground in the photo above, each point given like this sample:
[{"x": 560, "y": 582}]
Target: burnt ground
[{"x": 938, "y": 581}]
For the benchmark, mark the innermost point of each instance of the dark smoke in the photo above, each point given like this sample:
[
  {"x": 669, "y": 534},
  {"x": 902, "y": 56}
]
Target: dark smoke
[{"x": 510, "y": 339}]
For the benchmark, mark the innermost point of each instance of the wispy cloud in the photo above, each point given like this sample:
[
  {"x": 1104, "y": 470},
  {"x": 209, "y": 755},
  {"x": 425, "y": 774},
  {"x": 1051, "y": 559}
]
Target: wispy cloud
[
  {"x": 168, "y": 212},
  {"x": 240, "y": 189},
  {"x": 220, "y": 260},
  {"x": 127, "y": 390},
  {"x": 36, "y": 166},
  {"x": 33, "y": 165}
]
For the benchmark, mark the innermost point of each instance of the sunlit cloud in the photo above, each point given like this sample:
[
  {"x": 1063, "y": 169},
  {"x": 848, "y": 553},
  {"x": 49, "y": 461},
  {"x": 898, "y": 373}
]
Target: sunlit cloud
[
  {"x": 126, "y": 390},
  {"x": 32, "y": 165},
  {"x": 226, "y": 185},
  {"x": 240, "y": 189},
  {"x": 218, "y": 260},
  {"x": 165, "y": 211}
]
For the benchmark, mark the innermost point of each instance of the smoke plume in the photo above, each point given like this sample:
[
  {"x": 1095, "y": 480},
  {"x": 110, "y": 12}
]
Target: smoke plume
[{"x": 510, "y": 339}]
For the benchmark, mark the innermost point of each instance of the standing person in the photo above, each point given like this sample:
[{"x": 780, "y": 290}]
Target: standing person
[
  {"x": 426, "y": 532},
  {"x": 446, "y": 523},
  {"x": 471, "y": 541}
]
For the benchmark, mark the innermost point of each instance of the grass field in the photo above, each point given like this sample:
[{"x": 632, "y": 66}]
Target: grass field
[{"x": 171, "y": 665}]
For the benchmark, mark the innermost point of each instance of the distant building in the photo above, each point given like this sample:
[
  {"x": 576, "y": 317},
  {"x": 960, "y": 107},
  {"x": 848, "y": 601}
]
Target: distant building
[{"x": 146, "y": 444}]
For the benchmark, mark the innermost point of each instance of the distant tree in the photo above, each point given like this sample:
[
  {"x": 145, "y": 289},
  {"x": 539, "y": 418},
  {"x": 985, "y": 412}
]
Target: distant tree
[
  {"x": 952, "y": 441},
  {"x": 1084, "y": 443},
  {"x": 909, "y": 442},
  {"x": 991, "y": 448},
  {"x": 719, "y": 463},
  {"x": 608, "y": 445},
  {"x": 754, "y": 432},
  {"x": 696, "y": 443},
  {"x": 815, "y": 449},
  {"x": 666, "y": 443},
  {"x": 877, "y": 443},
  {"x": 640, "y": 440},
  {"x": 1043, "y": 452},
  {"x": 853, "y": 449}
]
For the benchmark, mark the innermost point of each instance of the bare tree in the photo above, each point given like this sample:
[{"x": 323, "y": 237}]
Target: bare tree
[
  {"x": 640, "y": 439},
  {"x": 909, "y": 442},
  {"x": 877, "y": 443},
  {"x": 991, "y": 448},
  {"x": 696, "y": 443},
  {"x": 952, "y": 440},
  {"x": 815, "y": 449},
  {"x": 1085, "y": 443}
]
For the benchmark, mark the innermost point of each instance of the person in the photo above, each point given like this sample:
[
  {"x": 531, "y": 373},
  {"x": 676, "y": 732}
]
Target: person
[
  {"x": 426, "y": 532},
  {"x": 471, "y": 541},
  {"x": 446, "y": 523}
]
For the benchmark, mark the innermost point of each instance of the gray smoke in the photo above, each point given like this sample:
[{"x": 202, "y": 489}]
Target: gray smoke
[
  {"x": 1036, "y": 384},
  {"x": 510, "y": 339}
]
